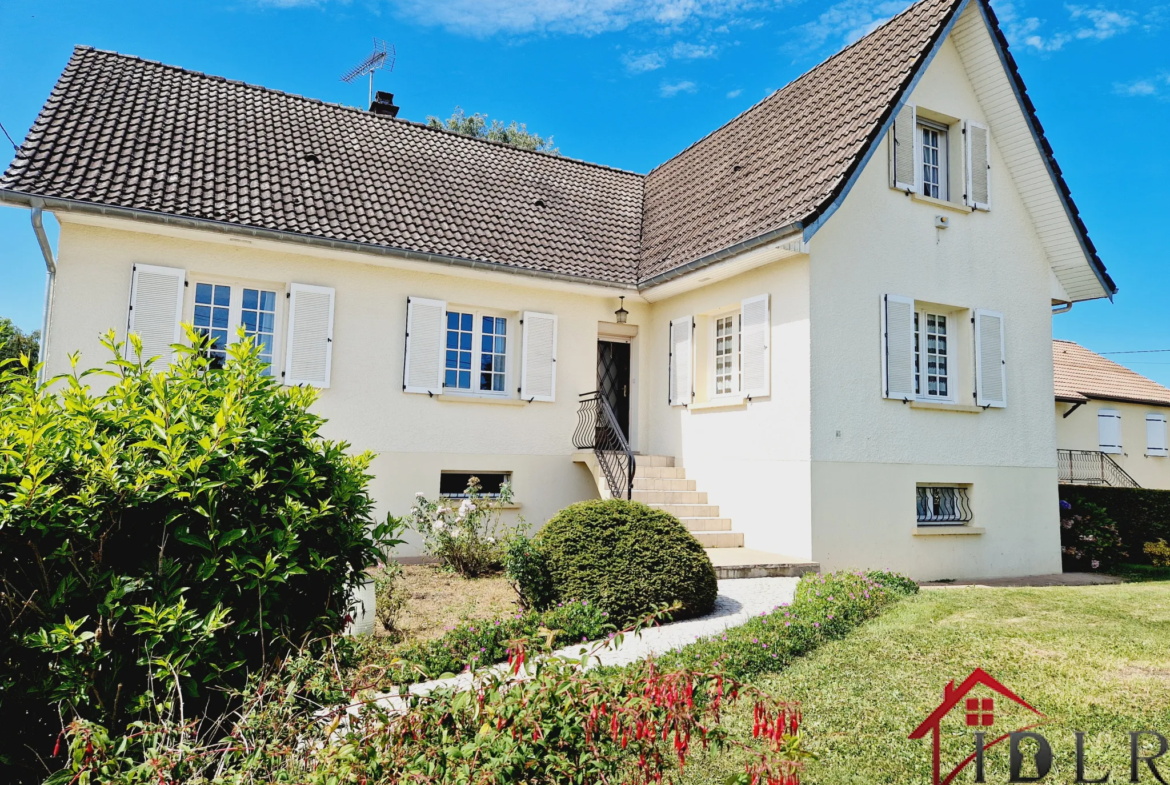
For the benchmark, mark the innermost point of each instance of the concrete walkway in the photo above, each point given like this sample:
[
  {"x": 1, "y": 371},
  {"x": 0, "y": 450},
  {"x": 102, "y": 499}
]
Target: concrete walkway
[{"x": 1058, "y": 579}]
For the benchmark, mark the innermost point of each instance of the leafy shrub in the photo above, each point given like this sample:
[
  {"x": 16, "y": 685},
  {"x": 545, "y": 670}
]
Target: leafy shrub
[
  {"x": 472, "y": 644},
  {"x": 544, "y": 724},
  {"x": 390, "y": 597},
  {"x": 1089, "y": 538},
  {"x": 163, "y": 538},
  {"x": 895, "y": 582},
  {"x": 466, "y": 536},
  {"x": 825, "y": 607},
  {"x": 1141, "y": 514},
  {"x": 527, "y": 573},
  {"x": 626, "y": 557},
  {"x": 1159, "y": 553}
]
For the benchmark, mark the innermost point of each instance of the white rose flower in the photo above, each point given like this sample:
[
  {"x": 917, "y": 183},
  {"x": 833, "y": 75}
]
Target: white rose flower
[{"x": 439, "y": 526}]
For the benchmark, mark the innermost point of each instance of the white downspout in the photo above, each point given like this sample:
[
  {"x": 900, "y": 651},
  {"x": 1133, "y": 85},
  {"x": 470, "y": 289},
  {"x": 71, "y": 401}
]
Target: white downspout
[{"x": 51, "y": 270}]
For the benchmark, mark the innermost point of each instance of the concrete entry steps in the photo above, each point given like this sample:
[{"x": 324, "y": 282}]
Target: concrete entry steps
[
  {"x": 732, "y": 563},
  {"x": 664, "y": 486}
]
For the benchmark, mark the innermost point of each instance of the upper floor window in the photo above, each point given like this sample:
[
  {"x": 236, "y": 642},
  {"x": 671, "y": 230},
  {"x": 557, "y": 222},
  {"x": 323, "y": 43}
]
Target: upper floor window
[
  {"x": 931, "y": 356},
  {"x": 476, "y": 353},
  {"x": 933, "y": 143},
  {"x": 220, "y": 309},
  {"x": 727, "y": 354}
]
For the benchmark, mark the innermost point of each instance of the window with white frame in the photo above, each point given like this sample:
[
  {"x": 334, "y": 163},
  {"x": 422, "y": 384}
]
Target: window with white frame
[
  {"x": 476, "y": 356},
  {"x": 725, "y": 342},
  {"x": 933, "y": 144},
  {"x": 220, "y": 309},
  {"x": 931, "y": 356}
]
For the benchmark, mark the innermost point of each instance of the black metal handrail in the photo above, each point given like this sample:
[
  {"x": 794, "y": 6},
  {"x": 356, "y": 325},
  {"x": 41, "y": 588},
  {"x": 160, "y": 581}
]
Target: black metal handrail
[
  {"x": 943, "y": 505},
  {"x": 598, "y": 430},
  {"x": 1091, "y": 467}
]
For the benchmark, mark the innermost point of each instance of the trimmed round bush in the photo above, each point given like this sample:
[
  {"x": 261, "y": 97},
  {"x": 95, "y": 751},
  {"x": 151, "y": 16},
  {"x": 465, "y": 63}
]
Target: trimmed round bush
[{"x": 627, "y": 558}]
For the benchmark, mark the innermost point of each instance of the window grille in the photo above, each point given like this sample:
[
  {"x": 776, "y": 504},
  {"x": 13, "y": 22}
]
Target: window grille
[{"x": 939, "y": 505}]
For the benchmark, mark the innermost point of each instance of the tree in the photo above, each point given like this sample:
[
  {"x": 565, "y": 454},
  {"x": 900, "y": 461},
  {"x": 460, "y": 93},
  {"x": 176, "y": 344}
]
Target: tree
[
  {"x": 514, "y": 134},
  {"x": 14, "y": 343}
]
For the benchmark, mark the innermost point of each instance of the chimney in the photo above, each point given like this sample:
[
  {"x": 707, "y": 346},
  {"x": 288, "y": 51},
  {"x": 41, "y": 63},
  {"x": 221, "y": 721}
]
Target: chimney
[{"x": 384, "y": 104}]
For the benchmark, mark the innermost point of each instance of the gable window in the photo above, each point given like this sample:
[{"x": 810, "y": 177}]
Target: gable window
[
  {"x": 933, "y": 143},
  {"x": 931, "y": 356},
  {"x": 727, "y": 354},
  {"x": 475, "y": 359},
  {"x": 220, "y": 309}
]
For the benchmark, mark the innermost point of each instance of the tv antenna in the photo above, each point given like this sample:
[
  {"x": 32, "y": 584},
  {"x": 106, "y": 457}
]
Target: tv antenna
[{"x": 382, "y": 57}]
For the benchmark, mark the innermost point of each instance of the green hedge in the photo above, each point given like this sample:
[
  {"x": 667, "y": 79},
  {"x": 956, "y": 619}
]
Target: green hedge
[
  {"x": 1142, "y": 514},
  {"x": 627, "y": 558},
  {"x": 825, "y": 607}
]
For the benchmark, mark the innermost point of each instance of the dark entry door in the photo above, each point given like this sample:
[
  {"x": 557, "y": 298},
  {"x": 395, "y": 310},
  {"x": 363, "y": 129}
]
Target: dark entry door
[{"x": 613, "y": 380}]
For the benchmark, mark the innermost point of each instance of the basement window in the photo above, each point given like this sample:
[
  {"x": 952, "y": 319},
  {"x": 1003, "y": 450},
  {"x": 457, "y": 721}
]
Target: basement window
[
  {"x": 941, "y": 505},
  {"x": 454, "y": 485}
]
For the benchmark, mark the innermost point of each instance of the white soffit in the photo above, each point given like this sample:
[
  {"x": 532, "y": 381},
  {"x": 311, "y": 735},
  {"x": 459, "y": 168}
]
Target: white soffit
[
  {"x": 786, "y": 248},
  {"x": 1013, "y": 137}
]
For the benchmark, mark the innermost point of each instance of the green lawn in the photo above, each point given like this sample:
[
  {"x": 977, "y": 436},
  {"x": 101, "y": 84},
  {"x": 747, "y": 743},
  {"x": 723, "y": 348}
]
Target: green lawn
[{"x": 1095, "y": 659}]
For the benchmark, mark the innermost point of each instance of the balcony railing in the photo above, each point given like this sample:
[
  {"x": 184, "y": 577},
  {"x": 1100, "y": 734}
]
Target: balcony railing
[
  {"x": 1091, "y": 467},
  {"x": 943, "y": 505},
  {"x": 598, "y": 430}
]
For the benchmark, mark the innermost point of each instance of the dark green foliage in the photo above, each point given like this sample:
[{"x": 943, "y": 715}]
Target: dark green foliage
[
  {"x": 473, "y": 644},
  {"x": 825, "y": 607},
  {"x": 514, "y": 134},
  {"x": 528, "y": 574},
  {"x": 1142, "y": 514},
  {"x": 627, "y": 558},
  {"x": 164, "y": 536}
]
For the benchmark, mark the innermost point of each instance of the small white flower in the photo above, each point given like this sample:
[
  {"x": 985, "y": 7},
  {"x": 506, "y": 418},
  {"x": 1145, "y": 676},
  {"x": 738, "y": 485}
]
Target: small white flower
[
  {"x": 420, "y": 495},
  {"x": 492, "y": 540},
  {"x": 465, "y": 508},
  {"x": 439, "y": 526}
]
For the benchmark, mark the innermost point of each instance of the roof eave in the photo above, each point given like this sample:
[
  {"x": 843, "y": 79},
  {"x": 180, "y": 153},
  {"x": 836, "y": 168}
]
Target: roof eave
[{"x": 25, "y": 199}]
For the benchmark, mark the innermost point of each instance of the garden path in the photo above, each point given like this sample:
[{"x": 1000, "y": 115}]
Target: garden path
[{"x": 738, "y": 600}]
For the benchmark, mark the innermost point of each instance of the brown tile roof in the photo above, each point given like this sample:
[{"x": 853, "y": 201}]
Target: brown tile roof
[
  {"x": 122, "y": 132},
  {"x": 127, "y": 132},
  {"x": 1081, "y": 374},
  {"x": 784, "y": 159}
]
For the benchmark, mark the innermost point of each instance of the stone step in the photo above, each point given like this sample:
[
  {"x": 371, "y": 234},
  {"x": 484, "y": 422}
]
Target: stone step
[
  {"x": 670, "y": 497},
  {"x": 654, "y": 460},
  {"x": 689, "y": 510},
  {"x": 663, "y": 484},
  {"x": 719, "y": 539},
  {"x": 707, "y": 524},
  {"x": 666, "y": 472}
]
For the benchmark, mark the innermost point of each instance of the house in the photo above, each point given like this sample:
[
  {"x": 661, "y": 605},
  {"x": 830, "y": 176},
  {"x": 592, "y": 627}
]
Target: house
[
  {"x": 822, "y": 331},
  {"x": 1110, "y": 423}
]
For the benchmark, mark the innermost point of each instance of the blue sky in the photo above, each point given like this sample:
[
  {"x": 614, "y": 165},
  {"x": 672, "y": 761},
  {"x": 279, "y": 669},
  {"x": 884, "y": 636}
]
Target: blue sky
[{"x": 629, "y": 83}]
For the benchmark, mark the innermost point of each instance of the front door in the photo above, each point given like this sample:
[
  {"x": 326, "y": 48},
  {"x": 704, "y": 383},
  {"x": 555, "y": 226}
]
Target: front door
[{"x": 613, "y": 380}]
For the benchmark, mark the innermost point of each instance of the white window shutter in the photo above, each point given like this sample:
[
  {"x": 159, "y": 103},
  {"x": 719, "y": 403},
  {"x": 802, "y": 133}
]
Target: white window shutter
[
  {"x": 156, "y": 307},
  {"x": 903, "y": 144},
  {"x": 755, "y": 345},
  {"x": 897, "y": 347},
  {"x": 680, "y": 362},
  {"x": 1109, "y": 430},
  {"x": 977, "y": 155},
  {"x": 990, "y": 363},
  {"x": 422, "y": 367},
  {"x": 1156, "y": 436},
  {"x": 309, "y": 354},
  {"x": 538, "y": 370}
]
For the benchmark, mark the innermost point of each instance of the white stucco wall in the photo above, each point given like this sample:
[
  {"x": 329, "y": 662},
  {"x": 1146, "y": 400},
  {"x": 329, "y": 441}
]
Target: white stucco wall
[
  {"x": 414, "y": 436},
  {"x": 752, "y": 458},
  {"x": 868, "y": 453},
  {"x": 1079, "y": 431}
]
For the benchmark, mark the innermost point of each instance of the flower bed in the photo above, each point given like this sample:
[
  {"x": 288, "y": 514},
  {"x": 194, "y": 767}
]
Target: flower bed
[
  {"x": 472, "y": 644},
  {"x": 825, "y": 607}
]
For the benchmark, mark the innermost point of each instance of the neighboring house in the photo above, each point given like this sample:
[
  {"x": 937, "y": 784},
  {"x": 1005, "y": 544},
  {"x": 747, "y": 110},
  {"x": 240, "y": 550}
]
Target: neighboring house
[
  {"x": 834, "y": 338},
  {"x": 1111, "y": 421}
]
